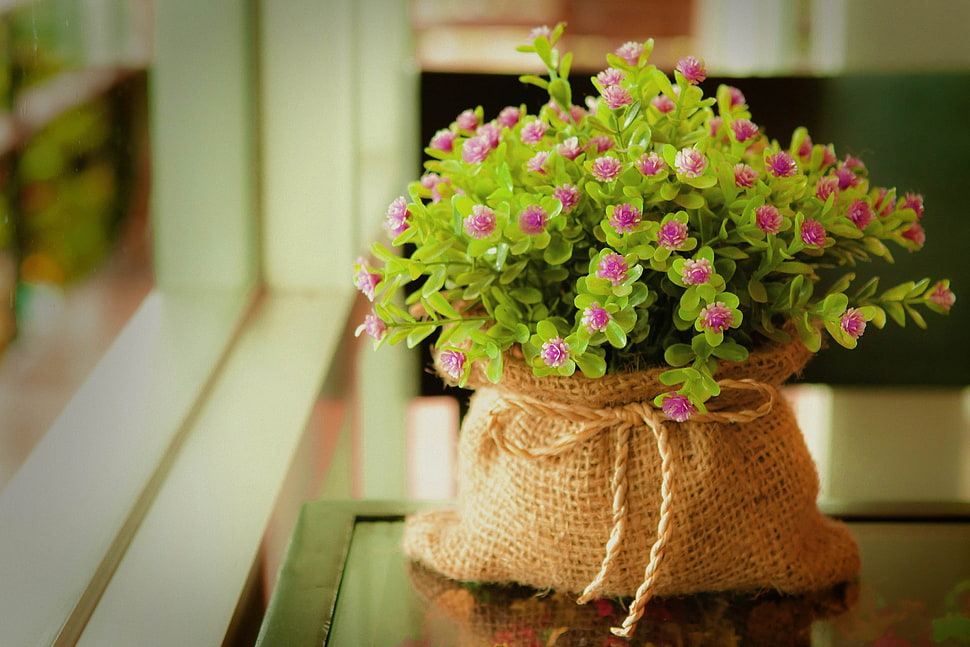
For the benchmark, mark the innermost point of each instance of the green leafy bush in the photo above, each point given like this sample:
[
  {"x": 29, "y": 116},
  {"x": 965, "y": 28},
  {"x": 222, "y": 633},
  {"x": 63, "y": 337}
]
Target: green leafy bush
[{"x": 654, "y": 226}]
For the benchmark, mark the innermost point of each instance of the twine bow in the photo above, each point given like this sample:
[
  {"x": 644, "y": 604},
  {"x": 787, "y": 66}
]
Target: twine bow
[{"x": 624, "y": 419}]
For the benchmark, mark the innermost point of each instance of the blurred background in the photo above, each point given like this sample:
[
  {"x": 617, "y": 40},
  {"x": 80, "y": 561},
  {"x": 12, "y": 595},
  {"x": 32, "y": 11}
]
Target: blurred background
[
  {"x": 886, "y": 80},
  {"x": 75, "y": 254}
]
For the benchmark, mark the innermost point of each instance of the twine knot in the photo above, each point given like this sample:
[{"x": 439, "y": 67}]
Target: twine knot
[{"x": 622, "y": 420}]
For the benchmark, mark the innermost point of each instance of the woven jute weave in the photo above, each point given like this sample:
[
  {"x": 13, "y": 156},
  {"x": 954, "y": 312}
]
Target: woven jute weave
[{"x": 581, "y": 485}]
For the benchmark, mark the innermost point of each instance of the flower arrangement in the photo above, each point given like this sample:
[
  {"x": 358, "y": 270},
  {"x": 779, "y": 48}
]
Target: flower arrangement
[{"x": 652, "y": 227}]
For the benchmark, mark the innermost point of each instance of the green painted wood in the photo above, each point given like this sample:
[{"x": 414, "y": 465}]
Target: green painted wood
[{"x": 301, "y": 609}]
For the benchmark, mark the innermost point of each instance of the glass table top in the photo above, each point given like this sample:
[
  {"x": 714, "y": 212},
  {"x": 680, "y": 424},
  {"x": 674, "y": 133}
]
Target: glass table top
[{"x": 914, "y": 590}]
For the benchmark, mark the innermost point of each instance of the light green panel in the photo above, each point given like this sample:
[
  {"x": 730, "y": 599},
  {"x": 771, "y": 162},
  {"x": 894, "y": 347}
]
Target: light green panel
[
  {"x": 202, "y": 134},
  {"x": 339, "y": 129}
]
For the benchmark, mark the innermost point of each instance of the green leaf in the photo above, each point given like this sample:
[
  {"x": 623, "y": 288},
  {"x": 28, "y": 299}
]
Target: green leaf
[
  {"x": 794, "y": 267},
  {"x": 565, "y": 65},
  {"x": 560, "y": 92},
  {"x": 915, "y": 316},
  {"x": 895, "y": 311},
  {"x": 558, "y": 252},
  {"x": 730, "y": 351},
  {"x": 834, "y": 305},
  {"x": 897, "y": 293},
  {"x": 418, "y": 334},
  {"x": 690, "y": 200},
  {"x": 547, "y": 330},
  {"x": 534, "y": 80},
  {"x": 808, "y": 333},
  {"x": 839, "y": 335},
  {"x": 493, "y": 370},
  {"x": 679, "y": 354},
  {"x": 435, "y": 281},
  {"x": 526, "y": 295},
  {"x": 733, "y": 253},
  {"x": 615, "y": 334},
  {"x": 592, "y": 365},
  {"x": 440, "y": 304},
  {"x": 757, "y": 291},
  {"x": 544, "y": 50}
]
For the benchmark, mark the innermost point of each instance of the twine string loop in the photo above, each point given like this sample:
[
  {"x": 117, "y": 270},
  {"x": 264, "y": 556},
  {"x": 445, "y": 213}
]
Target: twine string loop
[{"x": 622, "y": 420}]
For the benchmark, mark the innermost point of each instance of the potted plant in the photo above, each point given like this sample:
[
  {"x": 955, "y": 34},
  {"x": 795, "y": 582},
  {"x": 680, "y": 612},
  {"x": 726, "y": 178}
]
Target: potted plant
[{"x": 625, "y": 283}]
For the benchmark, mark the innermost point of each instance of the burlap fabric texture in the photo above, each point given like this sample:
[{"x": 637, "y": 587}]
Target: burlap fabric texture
[{"x": 581, "y": 485}]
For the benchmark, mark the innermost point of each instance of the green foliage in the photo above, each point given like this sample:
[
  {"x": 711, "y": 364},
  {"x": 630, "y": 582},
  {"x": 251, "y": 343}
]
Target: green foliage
[{"x": 640, "y": 258}]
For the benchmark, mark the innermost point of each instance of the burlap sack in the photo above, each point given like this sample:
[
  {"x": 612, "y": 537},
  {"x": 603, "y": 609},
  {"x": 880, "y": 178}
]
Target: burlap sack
[{"x": 581, "y": 485}]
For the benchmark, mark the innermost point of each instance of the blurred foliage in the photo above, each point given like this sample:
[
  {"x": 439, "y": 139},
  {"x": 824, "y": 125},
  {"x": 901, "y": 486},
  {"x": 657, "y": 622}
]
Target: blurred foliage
[{"x": 64, "y": 189}]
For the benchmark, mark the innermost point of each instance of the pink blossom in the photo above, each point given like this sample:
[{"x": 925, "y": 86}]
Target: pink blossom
[
  {"x": 606, "y": 168},
  {"x": 613, "y": 267},
  {"x": 828, "y": 156},
  {"x": 690, "y": 162},
  {"x": 533, "y": 132},
  {"x": 853, "y": 163},
  {"x": 805, "y": 150},
  {"x": 467, "y": 120},
  {"x": 533, "y": 220},
  {"x": 555, "y": 352},
  {"x": 568, "y": 195},
  {"x": 630, "y": 52},
  {"x": 678, "y": 407},
  {"x": 443, "y": 140},
  {"x": 716, "y": 317},
  {"x": 884, "y": 203},
  {"x": 610, "y": 76},
  {"x": 509, "y": 117},
  {"x": 768, "y": 219},
  {"x": 616, "y": 96},
  {"x": 595, "y": 318},
  {"x": 365, "y": 280},
  {"x": 543, "y": 31},
  {"x": 737, "y": 97},
  {"x": 744, "y": 129},
  {"x": 432, "y": 181},
  {"x": 650, "y": 164},
  {"x": 663, "y": 103},
  {"x": 781, "y": 164},
  {"x": 480, "y": 223},
  {"x": 575, "y": 114},
  {"x": 602, "y": 143},
  {"x": 537, "y": 161},
  {"x": 475, "y": 150},
  {"x": 625, "y": 218},
  {"x": 492, "y": 133},
  {"x": 398, "y": 216},
  {"x": 453, "y": 363},
  {"x": 916, "y": 234},
  {"x": 913, "y": 201},
  {"x": 570, "y": 148},
  {"x": 827, "y": 186},
  {"x": 696, "y": 271},
  {"x": 692, "y": 69},
  {"x": 672, "y": 234},
  {"x": 715, "y": 125},
  {"x": 744, "y": 175},
  {"x": 846, "y": 177},
  {"x": 853, "y": 323},
  {"x": 860, "y": 213},
  {"x": 812, "y": 233},
  {"x": 373, "y": 326},
  {"x": 942, "y": 296}
]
